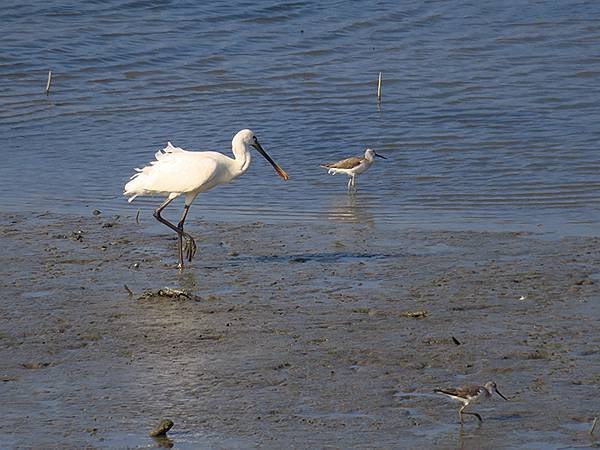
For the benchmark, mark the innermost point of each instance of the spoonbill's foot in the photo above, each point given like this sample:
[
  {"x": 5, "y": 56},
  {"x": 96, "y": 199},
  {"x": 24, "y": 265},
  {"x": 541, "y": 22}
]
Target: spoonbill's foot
[{"x": 189, "y": 247}]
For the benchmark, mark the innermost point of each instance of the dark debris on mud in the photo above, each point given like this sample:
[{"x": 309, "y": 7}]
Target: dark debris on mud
[{"x": 167, "y": 293}]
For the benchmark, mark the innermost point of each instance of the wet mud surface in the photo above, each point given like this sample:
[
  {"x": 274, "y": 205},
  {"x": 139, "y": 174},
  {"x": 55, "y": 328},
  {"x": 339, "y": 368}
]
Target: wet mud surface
[{"x": 324, "y": 336}]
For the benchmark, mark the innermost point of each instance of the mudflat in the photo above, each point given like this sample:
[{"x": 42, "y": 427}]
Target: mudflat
[{"x": 303, "y": 336}]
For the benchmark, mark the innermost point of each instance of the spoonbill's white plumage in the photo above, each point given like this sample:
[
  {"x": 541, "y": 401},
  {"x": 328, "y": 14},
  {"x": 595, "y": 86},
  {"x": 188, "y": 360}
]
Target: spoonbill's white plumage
[
  {"x": 177, "y": 172},
  {"x": 352, "y": 166}
]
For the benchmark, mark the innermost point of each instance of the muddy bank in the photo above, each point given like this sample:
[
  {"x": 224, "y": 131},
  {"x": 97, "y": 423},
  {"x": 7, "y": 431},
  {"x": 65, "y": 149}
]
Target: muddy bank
[{"x": 305, "y": 335}]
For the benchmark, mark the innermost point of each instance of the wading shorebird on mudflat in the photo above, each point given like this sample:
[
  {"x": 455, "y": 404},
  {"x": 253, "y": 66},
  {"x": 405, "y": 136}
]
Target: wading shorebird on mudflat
[
  {"x": 178, "y": 172},
  {"x": 470, "y": 394},
  {"x": 352, "y": 166}
]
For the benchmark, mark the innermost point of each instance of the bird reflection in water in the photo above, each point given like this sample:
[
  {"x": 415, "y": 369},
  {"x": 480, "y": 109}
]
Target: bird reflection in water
[
  {"x": 163, "y": 442},
  {"x": 350, "y": 209}
]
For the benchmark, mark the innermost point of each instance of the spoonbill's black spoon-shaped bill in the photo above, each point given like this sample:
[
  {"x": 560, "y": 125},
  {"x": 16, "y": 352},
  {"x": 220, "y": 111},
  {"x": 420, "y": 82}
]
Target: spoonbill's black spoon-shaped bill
[
  {"x": 178, "y": 172},
  {"x": 352, "y": 166}
]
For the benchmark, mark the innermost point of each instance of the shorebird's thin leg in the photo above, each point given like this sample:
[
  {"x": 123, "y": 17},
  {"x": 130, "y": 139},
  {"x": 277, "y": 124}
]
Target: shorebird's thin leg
[
  {"x": 170, "y": 225},
  {"x": 474, "y": 414},
  {"x": 349, "y": 183},
  {"x": 354, "y": 182},
  {"x": 460, "y": 413},
  {"x": 190, "y": 243}
]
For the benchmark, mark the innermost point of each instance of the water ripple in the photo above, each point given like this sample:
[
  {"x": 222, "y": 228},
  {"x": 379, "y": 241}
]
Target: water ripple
[{"x": 483, "y": 116}]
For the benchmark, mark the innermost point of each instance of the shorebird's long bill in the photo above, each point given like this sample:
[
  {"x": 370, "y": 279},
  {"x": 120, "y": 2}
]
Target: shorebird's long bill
[
  {"x": 500, "y": 394},
  {"x": 278, "y": 169},
  {"x": 380, "y": 156}
]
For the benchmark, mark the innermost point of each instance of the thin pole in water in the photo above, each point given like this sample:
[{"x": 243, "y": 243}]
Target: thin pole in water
[{"x": 49, "y": 82}]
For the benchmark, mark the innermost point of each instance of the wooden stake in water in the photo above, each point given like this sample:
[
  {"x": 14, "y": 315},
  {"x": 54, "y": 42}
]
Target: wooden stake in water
[
  {"x": 49, "y": 82},
  {"x": 379, "y": 89}
]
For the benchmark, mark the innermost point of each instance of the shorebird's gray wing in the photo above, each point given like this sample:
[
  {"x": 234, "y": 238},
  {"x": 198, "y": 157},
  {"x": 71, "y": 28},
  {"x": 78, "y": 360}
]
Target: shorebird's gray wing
[
  {"x": 463, "y": 391},
  {"x": 348, "y": 163}
]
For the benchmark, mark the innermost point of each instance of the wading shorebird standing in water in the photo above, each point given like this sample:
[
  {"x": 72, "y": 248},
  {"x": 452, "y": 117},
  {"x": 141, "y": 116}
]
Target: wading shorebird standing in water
[
  {"x": 352, "y": 166},
  {"x": 471, "y": 394},
  {"x": 178, "y": 172}
]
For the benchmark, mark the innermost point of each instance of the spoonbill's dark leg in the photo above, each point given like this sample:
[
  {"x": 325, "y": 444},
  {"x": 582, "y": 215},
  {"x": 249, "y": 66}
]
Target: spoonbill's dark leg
[
  {"x": 178, "y": 230},
  {"x": 190, "y": 244}
]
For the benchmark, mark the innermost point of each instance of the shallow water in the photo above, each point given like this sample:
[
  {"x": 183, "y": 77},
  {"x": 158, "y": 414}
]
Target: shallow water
[{"x": 489, "y": 112}]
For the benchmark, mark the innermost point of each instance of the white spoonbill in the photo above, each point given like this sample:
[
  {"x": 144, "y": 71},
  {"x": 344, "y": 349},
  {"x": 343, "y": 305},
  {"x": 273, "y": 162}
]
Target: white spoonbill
[
  {"x": 178, "y": 172},
  {"x": 352, "y": 166}
]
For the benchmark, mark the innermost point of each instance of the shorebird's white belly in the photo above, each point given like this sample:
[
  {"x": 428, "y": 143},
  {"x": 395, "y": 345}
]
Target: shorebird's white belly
[{"x": 364, "y": 165}]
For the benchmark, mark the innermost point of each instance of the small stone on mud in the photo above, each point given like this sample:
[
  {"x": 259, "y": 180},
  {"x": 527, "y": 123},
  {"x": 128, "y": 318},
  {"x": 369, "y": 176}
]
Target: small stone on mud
[
  {"x": 414, "y": 314},
  {"x": 35, "y": 365},
  {"x": 162, "y": 428}
]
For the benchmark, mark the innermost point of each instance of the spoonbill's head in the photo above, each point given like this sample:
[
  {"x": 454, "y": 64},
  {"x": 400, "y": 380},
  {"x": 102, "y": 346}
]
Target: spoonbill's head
[
  {"x": 248, "y": 138},
  {"x": 491, "y": 388},
  {"x": 370, "y": 154}
]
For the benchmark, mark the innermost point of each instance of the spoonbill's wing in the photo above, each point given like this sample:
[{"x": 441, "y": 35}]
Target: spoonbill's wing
[{"x": 175, "y": 171}]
